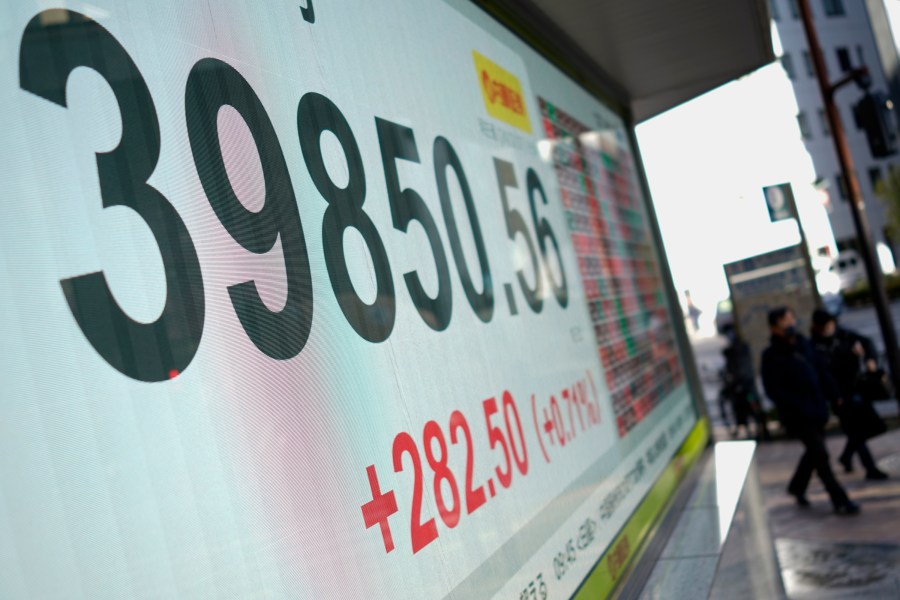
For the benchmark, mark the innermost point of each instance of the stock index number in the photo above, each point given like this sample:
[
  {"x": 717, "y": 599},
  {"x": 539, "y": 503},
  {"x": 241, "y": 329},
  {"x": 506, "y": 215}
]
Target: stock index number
[
  {"x": 143, "y": 351},
  {"x": 52, "y": 48}
]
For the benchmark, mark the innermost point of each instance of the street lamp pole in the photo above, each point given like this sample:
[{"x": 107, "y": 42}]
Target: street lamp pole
[{"x": 857, "y": 205}]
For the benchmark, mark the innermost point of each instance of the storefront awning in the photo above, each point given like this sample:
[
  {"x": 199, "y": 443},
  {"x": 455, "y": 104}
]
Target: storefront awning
[{"x": 656, "y": 54}]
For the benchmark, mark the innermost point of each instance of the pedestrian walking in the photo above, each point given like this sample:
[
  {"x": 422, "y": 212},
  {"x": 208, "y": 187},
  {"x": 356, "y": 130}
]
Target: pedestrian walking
[
  {"x": 739, "y": 386},
  {"x": 693, "y": 312},
  {"x": 852, "y": 361},
  {"x": 797, "y": 380}
]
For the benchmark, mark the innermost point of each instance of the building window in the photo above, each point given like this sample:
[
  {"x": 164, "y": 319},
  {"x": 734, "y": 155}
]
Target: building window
[
  {"x": 773, "y": 10},
  {"x": 807, "y": 62},
  {"x": 874, "y": 177},
  {"x": 842, "y": 187},
  {"x": 803, "y": 122},
  {"x": 788, "y": 63},
  {"x": 823, "y": 121},
  {"x": 834, "y": 8},
  {"x": 861, "y": 59},
  {"x": 792, "y": 7},
  {"x": 843, "y": 57}
]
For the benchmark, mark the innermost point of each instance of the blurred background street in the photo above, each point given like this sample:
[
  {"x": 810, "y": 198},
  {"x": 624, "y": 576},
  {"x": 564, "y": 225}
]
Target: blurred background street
[
  {"x": 708, "y": 346},
  {"x": 823, "y": 555}
]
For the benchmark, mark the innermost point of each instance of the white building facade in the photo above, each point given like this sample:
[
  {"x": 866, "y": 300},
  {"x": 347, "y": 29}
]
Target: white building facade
[{"x": 852, "y": 33}]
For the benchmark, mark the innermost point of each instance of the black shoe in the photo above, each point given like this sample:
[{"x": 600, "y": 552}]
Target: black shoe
[
  {"x": 801, "y": 499},
  {"x": 848, "y": 464},
  {"x": 847, "y": 509},
  {"x": 876, "y": 475}
]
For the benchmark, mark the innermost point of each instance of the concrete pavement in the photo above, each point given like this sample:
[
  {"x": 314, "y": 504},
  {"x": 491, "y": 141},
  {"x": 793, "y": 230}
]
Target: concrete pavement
[{"x": 823, "y": 555}]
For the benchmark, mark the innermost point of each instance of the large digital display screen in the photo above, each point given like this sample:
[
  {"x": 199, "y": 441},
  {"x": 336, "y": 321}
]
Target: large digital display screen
[{"x": 318, "y": 299}]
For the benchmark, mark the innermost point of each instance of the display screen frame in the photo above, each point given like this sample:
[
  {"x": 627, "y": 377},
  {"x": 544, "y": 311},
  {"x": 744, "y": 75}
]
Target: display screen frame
[{"x": 245, "y": 342}]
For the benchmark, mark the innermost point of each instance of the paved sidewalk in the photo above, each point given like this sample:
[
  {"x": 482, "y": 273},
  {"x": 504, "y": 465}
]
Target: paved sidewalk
[{"x": 823, "y": 555}]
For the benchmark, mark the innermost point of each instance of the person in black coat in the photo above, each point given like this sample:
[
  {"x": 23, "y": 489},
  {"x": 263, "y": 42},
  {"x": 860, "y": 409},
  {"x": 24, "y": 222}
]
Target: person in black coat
[
  {"x": 796, "y": 378},
  {"x": 844, "y": 350},
  {"x": 739, "y": 385}
]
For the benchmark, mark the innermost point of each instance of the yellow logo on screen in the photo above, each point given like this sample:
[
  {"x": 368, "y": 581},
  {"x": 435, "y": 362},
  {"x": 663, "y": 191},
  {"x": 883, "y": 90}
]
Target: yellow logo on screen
[{"x": 502, "y": 93}]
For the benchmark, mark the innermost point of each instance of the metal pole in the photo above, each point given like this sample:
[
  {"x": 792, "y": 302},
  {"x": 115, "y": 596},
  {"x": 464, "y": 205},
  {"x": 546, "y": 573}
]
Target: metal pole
[{"x": 857, "y": 205}]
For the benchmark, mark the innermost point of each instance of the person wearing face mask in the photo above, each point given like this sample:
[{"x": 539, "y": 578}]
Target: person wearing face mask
[
  {"x": 844, "y": 351},
  {"x": 797, "y": 380}
]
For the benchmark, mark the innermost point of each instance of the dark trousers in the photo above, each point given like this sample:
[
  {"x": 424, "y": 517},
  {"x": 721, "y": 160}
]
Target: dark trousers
[
  {"x": 858, "y": 445},
  {"x": 816, "y": 459}
]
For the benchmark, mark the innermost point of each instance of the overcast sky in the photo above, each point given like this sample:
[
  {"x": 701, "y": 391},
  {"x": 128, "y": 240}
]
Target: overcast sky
[{"x": 707, "y": 162}]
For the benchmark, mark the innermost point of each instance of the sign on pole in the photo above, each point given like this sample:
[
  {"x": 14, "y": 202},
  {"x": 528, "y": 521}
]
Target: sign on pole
[{"x": 780, "y": 202}]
